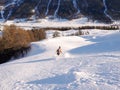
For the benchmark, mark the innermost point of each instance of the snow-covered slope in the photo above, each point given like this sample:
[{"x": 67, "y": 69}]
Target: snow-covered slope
[{"x": 88, "y": 62}]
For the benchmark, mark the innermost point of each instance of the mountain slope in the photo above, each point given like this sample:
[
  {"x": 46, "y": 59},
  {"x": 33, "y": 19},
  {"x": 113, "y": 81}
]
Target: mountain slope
[
  {"x": 74, "y": 70},
  {"x": 101, "y": 10}
]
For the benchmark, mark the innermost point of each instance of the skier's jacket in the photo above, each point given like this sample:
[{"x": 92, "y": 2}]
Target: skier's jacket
[{"x": 59, "y": 51}]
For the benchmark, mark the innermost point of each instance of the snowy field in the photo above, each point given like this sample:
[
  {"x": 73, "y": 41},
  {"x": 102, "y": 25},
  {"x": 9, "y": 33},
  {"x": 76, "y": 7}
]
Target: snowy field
[
  {"x": 43, "y": 23},
  {"x": 90, "y": 62}
]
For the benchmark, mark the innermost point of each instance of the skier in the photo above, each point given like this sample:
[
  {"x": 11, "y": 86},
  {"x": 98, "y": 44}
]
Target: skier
[{"x": 59, "y": 51}]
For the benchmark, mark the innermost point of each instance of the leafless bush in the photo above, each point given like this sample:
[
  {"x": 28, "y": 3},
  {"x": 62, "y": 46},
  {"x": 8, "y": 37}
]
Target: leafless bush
[
  {"x": 14, "y": 37},
  {"x": 15, "y": 41},
  {"x": 38, "y": 34},
  {"x": 56, "y": 34},
  {"x": 79, "y": 32}
]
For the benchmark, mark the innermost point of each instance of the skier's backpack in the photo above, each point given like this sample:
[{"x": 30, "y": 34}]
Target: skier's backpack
[{"x": 58, "y": 52}]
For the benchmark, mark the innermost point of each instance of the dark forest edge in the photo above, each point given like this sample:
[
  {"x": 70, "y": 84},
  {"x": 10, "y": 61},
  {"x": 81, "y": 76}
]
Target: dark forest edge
[{"x": 110, "y": 27}]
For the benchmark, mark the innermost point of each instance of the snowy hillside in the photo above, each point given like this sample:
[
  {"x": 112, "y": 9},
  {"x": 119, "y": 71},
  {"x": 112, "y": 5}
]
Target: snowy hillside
[{"x": 88, "y": 62}]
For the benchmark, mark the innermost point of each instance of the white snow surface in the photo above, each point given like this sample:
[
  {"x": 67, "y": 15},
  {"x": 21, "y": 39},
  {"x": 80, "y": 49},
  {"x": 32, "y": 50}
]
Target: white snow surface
[
  {"x": 90, "y": 62},
  {"x": 47, "y": 22}
]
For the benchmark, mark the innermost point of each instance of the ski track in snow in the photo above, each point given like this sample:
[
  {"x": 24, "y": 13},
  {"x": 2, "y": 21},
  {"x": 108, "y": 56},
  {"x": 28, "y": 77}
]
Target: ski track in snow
[
  {"x": 48, "y": 7},
  {"x": 105, "y": 11},
  {"x": 76, "y": 6},
  {"x": 56, "y": 11}
]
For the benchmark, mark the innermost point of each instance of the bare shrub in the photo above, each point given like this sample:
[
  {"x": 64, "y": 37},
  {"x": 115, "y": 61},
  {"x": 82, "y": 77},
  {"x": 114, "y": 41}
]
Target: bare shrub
[
  {"x": 37, "y": 34},
  {"x": 79, "y": 33},
  {"x": 1, "y": 44},
  {"x": 15, "y": 41},
  {"x": 31, "y": 35},
  {"x": 56, "y": 34},
  {"x": 14, "y": 37}
]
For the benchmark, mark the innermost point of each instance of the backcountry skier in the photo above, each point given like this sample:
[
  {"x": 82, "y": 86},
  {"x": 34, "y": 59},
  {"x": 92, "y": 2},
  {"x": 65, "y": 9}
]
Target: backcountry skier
[{"x": 59, "y": 51}]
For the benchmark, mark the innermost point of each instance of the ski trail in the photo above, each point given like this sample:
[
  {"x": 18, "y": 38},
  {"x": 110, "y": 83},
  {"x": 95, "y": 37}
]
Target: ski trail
[
  {"x": 10, "y": 12},
  {"x": 48, "y": 7},
  {"x": 36, "y": 8},
  {"x": 15, "y": 2},
  {"x": 56, "y": 11},
  {"x": 76, "y": 6},
  {"x": 2, "y": 13},
  {"x": 38, "y": 3},
  {"x": 18, "y": 2},
  {"x": 105, "y": 11}
]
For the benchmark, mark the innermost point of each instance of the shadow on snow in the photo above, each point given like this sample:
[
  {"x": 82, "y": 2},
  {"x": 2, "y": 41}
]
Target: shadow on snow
[
  {"x": 42, "y": 60},
  {"x": 58, "y": 79}
]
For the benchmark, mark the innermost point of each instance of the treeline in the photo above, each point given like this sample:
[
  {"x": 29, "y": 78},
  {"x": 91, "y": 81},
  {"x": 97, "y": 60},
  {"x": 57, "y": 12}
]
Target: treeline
[
  {"x": 77, "y": 33},
  {"x": 114, "y": 27},
  {"x": 15, "y": 41}
]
